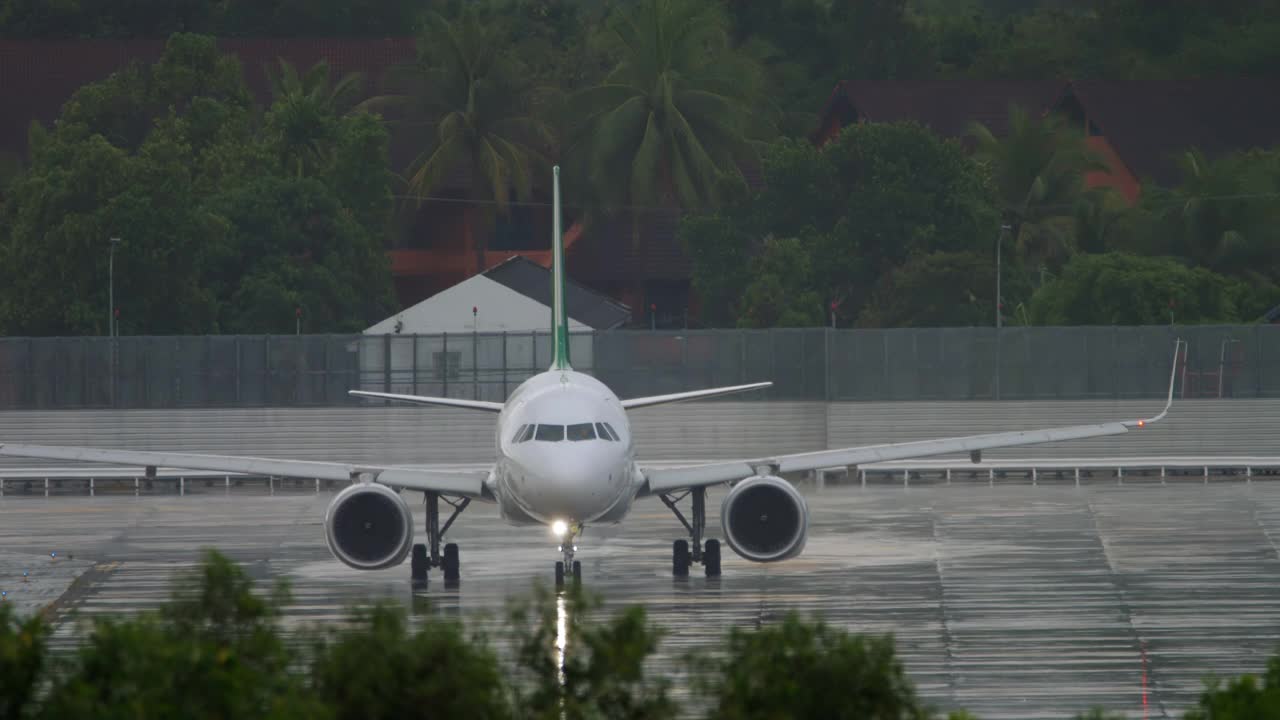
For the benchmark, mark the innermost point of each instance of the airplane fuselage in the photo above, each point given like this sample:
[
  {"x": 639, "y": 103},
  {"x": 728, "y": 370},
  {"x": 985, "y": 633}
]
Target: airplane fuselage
[{"x": 565, "y": 452}]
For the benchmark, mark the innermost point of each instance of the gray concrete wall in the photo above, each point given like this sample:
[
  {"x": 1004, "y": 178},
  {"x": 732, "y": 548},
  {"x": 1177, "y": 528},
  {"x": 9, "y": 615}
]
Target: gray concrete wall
[{"x": 686, "y": 431}]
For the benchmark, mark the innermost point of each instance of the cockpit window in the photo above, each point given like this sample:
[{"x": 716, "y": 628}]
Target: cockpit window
[
  {"x": 581, "y": 431},
  {"x": 612, "y": 432},
  {"x": 549, "y": 433},
  {"x": 604, "y": 434},
  {"x": 526, "y": 434},
  {"x": 519, "y": 433}
]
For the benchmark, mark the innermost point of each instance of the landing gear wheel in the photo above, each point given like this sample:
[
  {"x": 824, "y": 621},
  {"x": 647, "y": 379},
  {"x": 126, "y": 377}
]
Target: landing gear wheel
[
  {"x": 559, "y": 574},
  {"x": 577, "y": 572},
  {"x": 418, "y": 565},
  {"x": 451, "y": 562},
  {"x": 711, "y": 558},
  {"x": 680, "y": 558}
]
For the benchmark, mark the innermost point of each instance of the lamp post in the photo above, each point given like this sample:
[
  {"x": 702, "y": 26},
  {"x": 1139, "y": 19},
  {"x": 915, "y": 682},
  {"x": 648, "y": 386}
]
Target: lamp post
[
  {"x": 999, "y": 300},
  {"x": 1004, "y": 228},
  {"x": 111, "y": 288}
]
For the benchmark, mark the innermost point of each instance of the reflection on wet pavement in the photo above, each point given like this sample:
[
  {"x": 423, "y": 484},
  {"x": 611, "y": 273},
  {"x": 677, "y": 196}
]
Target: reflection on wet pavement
[{"x": 1014, "y": 601}]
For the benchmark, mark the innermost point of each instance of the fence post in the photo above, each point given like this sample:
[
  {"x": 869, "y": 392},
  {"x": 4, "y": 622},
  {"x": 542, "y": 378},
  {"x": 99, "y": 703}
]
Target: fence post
[
  {"x": 444, "y": 355},
  {"x": 413, "y": 358},
  {"x": 386, "y": 363},
  {"x": 1257, "y": 362},
  {"x": 826, "y": 364}
]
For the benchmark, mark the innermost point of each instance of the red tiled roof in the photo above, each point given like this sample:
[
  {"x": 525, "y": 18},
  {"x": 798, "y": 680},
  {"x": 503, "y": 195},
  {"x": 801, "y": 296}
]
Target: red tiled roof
[{"x": 1151, "y": 123}]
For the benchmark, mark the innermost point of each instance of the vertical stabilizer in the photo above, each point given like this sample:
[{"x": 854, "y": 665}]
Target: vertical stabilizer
[{"x": 559, "y": 316}]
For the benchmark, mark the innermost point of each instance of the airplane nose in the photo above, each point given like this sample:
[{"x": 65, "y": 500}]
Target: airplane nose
[{"x": 574, "y": 487}]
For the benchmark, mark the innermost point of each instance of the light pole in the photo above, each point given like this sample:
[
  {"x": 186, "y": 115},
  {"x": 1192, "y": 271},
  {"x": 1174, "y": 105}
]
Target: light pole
[
  {"x": 111, "y": 288},
  {"x": 999, "y": 304}
]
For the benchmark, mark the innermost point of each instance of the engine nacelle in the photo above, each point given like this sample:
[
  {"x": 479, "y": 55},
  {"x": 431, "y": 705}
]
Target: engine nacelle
[
  {"x": 765, "y": 519},
  {"x": 369, "y": 527}
]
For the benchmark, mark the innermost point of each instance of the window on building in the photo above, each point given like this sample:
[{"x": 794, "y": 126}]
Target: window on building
[{"x": 447, "y": 364}]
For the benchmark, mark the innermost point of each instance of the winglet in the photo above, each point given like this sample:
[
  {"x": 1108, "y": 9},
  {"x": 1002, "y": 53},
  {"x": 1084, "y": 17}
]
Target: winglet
[
  {"x": 559, "y": 315},
  {"x": 1178, "y": 345}
]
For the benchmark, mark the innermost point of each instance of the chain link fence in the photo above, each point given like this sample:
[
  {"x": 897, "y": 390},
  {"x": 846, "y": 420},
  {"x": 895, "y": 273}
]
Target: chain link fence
[{"x": 1019, "y": 363}]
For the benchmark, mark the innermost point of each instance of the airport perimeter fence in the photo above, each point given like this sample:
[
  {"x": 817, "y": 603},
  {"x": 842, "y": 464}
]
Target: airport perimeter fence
[{"x": 1018, "y": 363}]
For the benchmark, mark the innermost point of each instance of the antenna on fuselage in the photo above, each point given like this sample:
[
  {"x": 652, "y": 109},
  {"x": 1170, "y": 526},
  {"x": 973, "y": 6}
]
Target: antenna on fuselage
[{"x": 559, "y": 315}]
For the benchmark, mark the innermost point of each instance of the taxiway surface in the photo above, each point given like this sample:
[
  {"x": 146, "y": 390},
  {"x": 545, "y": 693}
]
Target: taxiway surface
[{"x": 1011, "y": 601}]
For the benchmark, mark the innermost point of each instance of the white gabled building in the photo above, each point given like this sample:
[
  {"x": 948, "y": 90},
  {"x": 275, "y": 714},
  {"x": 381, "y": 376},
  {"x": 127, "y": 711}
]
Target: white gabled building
[{"x": 483, "y": 336}]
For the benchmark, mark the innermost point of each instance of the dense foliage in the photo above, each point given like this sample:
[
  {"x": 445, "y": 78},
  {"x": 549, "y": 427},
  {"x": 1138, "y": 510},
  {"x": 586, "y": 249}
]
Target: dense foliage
[
  {"x": 234, "y": 215},
  {"x": 830, "y": 222},
  {"x": 217, "y": 650},
  {"x": 231, "y": 220}
]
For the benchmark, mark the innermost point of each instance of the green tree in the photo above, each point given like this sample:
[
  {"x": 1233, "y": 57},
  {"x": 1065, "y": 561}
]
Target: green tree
[
  {"x": 228, "y": 220},
  {"x": 860, "y": 206},
  {"x": 798, "y": 669},
  {"x": 1224, "y": 216},
  {"x": 779, "y": 293},
  {"x": 305, "y": 109},
  {"x": 476, "y": 111},
  {"x": 214, "y": 651},
  {"x": 1121, "y": 289},
  {"x": 1241, "y": 698},
  {"x": 377, "y": 668},
  {"x": 939, "y": 289},
  {"x": 23, "y": 658},
  {"x": 1038, "y": 169},
  {"x": 673, "y": 118},
  {"x": 582, "y": 668}
]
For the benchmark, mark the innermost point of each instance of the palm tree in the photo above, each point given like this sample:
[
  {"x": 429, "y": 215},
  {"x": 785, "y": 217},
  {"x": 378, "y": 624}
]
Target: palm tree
[
  {"x": 477, "y": 114},
  {"x": 1039, "y": 170},
  {"x": 1220, "y": 216},
  {"x": 303, "y": 107},
  {"x": 315, "y": 86},
  {"x": 673, "y": 118}
]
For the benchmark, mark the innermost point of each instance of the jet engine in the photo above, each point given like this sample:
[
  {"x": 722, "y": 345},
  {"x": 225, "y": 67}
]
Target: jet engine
[
  {"x": 369, "y": 527},
  {"x": 765, "y": 519}
]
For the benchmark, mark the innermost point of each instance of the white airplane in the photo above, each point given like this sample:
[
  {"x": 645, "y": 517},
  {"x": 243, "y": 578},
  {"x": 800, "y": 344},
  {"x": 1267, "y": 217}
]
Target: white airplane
[{"x": 566, "y": 459}]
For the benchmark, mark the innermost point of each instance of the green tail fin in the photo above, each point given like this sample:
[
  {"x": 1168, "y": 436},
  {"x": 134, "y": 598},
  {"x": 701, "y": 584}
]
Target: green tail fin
[{"x": 559, "y": 316}]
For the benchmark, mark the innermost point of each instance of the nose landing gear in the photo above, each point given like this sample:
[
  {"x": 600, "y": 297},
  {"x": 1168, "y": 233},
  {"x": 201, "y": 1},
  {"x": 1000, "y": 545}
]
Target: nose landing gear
[
  {"x": 682, "y": 553},
  {"x": 567, "y": 565}
]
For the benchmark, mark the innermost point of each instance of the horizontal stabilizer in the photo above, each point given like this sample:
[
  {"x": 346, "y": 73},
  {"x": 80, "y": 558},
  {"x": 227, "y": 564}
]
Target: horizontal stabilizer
[
  {"x": 424, "y": 400},
  {"x": 692, "y": 395}
]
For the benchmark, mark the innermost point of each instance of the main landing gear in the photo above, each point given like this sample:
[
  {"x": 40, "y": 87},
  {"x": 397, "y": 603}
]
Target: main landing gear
[
  {"x": 567, "y": 565},
  {"x": 682, "y": 555},
  {"x": 428, "y": 555}
]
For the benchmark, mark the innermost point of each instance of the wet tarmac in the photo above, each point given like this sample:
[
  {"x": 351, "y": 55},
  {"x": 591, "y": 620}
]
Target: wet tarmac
[{"x": 1011, "y": 601}]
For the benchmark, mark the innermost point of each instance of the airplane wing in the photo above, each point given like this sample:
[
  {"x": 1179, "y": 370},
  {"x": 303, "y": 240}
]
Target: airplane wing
[
  {"x": 466, "y": 483},
  {"x": 425, "y": 400},
  {"x": 691, "y": 395},
  {"x": 665, "y": 480}
]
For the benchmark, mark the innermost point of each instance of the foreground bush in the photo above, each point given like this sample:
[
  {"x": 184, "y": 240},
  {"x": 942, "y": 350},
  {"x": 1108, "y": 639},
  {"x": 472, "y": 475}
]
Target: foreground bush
[{"x": 217, "y": 651}]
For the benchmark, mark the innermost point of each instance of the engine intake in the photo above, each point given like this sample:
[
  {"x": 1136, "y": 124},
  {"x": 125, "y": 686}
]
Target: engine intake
[
  {"x": 765, "y": 519},
  {"x": 369, "y": 527}
]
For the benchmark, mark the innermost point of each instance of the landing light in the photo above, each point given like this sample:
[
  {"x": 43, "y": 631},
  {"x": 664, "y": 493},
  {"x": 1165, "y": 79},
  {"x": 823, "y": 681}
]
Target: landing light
[
  {"x": 1142, "y": 423},
  {"x": 559, "y": 527}
]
